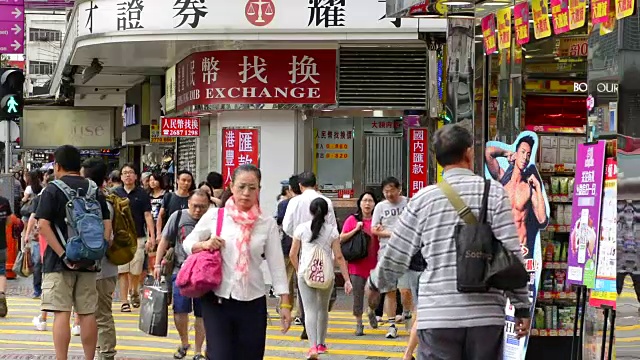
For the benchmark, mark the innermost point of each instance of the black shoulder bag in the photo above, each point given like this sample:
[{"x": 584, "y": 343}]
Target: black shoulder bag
[
  {"x": 482, "y": 260},
  {"x": 357, "y": 247}
]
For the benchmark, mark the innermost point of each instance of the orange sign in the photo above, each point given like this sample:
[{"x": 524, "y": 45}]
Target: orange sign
[
  {"x": 624, "y": 8},
  {"x": 541, "y": 26},
  {"x": 577, "y": 13},
  {"x": 504, "y": 28}
]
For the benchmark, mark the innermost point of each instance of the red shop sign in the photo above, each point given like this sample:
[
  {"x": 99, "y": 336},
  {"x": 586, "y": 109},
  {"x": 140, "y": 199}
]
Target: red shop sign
[
  {"x": 257, "y": 77},
  {"x": 239, "y": 146},
  {"x": 418, "y": 160},
  {"x": 180, "y": 127}
]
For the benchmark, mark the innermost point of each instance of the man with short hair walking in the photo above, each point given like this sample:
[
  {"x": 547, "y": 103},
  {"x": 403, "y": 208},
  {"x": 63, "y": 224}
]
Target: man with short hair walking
[{"x": 453, "y": 325}]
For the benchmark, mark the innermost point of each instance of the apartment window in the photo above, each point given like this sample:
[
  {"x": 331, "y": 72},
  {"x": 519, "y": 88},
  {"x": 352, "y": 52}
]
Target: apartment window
[
  {"x": 41, "y": 68},
  {"x": 44, "y": 35}
]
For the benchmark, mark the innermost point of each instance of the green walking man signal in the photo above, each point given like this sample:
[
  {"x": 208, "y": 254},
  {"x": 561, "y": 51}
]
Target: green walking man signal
[
  {"x": 11, "y": 106},
  {"x": 11, "y": 93}
]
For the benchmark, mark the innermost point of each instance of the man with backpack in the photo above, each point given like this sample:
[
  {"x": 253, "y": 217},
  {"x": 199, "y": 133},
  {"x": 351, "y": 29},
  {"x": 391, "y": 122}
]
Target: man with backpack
[
  {"x": 456, "y": 321},
  {"x": 74, "y": 219},
  {"x": 95, "y": 169},
  {"x": 178, "y": 227}
]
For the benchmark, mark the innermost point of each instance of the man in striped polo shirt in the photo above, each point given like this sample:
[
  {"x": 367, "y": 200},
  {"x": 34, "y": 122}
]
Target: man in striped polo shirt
[{"x": 452, "y": 325}]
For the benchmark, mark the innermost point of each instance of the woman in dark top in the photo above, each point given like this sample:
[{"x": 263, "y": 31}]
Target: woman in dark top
[{"x": 156, "y": 193}]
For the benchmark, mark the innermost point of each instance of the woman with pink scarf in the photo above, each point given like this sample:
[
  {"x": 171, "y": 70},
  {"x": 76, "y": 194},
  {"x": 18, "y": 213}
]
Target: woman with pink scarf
[{"x": 235, "y": 315}]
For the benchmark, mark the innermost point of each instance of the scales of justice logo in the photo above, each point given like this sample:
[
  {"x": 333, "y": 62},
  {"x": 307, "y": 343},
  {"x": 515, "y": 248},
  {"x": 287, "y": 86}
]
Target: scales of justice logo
[{"x": 260, "y": 12}]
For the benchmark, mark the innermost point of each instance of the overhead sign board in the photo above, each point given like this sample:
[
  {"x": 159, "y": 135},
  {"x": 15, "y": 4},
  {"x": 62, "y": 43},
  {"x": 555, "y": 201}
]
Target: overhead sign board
[
  {"x": 47, "y": 4},
  {"x": 12, "y": 26}
]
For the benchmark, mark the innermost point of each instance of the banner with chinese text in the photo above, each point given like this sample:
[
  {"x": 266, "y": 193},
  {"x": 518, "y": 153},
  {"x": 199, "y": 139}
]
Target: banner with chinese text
[
  {"x": 609, "y": 25},
  {"x": 599, "y": 11},
  {"x": 560, "y": 11},
  {"x": 541, "y": 26},
  {"x": 585, "y": 215},
  {"x": 577, "y": 13},
  {"x": 239, "y": 146},
  {"x": 530, "y": 207},
  {"x": 180, "y": 127},
  {"x": 489, "y": 34},
  {"x": 333, "y": 155},
  {"x": 504, "y": 28},
  {"x": 604, "y": 293},
  {"x": 256, "y": 77},
  {"x": 418, "y": 160},
  {"x": 521, "y": 22},
  {"x": 624, "y": 8}
]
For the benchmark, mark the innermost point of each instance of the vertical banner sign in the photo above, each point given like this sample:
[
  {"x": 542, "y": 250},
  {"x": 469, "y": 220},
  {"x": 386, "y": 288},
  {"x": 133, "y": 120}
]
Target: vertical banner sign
[
  {"x": 521, "y": 22},
  {"x": 239, "y": 146},
  {"x": 418, "y": 154},
  {"x": 489, "y": 33},
  {"x": 504, "y": 28},
  {"x": 599, "y": 11},
  {"x": 560, "y": 11},
  {"x": 541, "y": 27},
  {"x": 604, "y": 293},
  {"x": 609, "y": 25},
  {"x": 624, "y": 8},
  {"x": 577, "y": 13},
  {"x": 585, "y": 215},
  {"x": 513, "y": 165}
]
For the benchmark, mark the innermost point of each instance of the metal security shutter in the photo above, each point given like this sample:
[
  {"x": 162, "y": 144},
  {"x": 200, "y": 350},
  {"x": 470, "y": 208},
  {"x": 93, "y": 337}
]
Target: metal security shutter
[
  {"x": 187, "y": 154},
  {"x": 383, "y": 158},
  {"x": 383, "y": 77}
]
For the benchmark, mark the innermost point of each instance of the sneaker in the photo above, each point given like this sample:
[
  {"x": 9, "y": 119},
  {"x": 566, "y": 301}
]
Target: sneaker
[
  {"x": 322, "y": 348},
  {"x": 3, "y": 305},
  {"x": 75, "y": 330},
  {"x": 40, "y": 324},
  {"x": 373, "y": 320},
  {"x": 392, "y": 333},
  {"x": 312, "y": 353},
  {"x": 359, "y": 330},
  {"x": 297, "y": 321}
]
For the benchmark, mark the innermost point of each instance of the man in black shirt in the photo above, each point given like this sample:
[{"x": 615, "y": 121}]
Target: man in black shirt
[
  {"x": 5, "y": 212},
  {"x": 67, "y": 284},
  {"x": 140, "y": 203}
]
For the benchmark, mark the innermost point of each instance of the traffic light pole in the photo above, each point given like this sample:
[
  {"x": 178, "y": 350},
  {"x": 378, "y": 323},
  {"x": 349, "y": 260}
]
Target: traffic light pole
[{"x": 7, "y": 148}]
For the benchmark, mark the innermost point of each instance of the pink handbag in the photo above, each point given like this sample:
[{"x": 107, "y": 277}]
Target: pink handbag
[{"x": 201, "y": 272}]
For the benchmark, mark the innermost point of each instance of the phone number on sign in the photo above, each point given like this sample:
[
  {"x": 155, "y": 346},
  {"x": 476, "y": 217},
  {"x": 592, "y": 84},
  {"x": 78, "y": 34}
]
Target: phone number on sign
[{"x": 181, "y": 133}]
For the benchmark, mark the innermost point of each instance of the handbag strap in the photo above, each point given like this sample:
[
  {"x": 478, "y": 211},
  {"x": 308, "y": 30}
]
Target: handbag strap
[
  {"x": 485, "y": 201},
  {"x": 219, "y": 221},
  {"x": 463, "y": 210}
]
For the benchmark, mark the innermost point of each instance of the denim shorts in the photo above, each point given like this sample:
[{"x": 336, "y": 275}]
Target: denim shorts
[
  {"x": 183, "y": 304},
  {"x": 3, "y": 262}
]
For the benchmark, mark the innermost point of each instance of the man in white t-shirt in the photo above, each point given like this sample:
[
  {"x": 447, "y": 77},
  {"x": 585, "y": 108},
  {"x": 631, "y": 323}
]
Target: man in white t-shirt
[
  {"x": 298, "y": 212},
  {"x": 384, "y": 219}
]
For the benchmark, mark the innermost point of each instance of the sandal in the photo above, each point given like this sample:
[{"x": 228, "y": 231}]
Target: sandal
[
  {"x": 181, "y": 352},
  {"x": 125, "y": 308}
]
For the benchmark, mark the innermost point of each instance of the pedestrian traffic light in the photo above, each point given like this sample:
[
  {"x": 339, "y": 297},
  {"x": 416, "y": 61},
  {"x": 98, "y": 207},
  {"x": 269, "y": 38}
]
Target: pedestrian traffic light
[{"x": 11, "y": 93}]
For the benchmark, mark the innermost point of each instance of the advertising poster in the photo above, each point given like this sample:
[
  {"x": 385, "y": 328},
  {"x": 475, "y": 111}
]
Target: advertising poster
[
  {"x": 513, "y": 165},
  {"x": 609, "y": 25},
  {"x": 577, "y": 13},
  {"x": 239, "y": 146},
  {"x": 624, "y": 8},
  {"x": 333, "y": 154},
  {"x": 489, "y": 33},
  {"x": 418, "y": 156},
  {"x": 560, "y": 11},
  {"x": 540, "y": 11},
  {"x": 585, "y": 215},
  {"x": 503, "y": 18},
  {"x": 599, "y": 11},
  {"x": 521, "y": 22},
  {"x": 604, "y": 292}
]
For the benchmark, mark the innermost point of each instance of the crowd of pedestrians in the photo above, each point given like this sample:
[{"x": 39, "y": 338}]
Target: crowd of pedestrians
[{"x": 301, "y": 246}]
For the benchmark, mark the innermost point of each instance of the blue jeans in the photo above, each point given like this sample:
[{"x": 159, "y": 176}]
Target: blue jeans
[
  {"x": 183, "y": 304},
  {"x": 36, "y": 260}
]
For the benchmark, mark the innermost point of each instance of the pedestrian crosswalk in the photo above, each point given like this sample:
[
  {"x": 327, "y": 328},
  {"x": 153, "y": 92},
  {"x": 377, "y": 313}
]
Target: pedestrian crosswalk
[{"x": 19, "y": 336}]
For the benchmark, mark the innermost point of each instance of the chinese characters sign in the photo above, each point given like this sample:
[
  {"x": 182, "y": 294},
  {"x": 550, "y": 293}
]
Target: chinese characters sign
[
  {"x": 599, "y": 11},
  {"x": 105, "y": 16},
  {"x": 257, "y": 77},
  {"x": 541, "y": 26},
  {"x": 418, "y": 156},
  {"x": 504, "y": 28},
  {"x": 521, "y": 22},
  {"x": 560, "y": 11},
  {"x": 239, "y": 146},
  {"x": 180, "y": 127},
  {"x": 333, "y": 155},
  {"x": 624, "y": 8},
  {"x": 604, "y": 293},
  {"x": 585, "y": 215},
  {"x": 489, "y": 34},
  {"x": 577, "y": 13}
]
